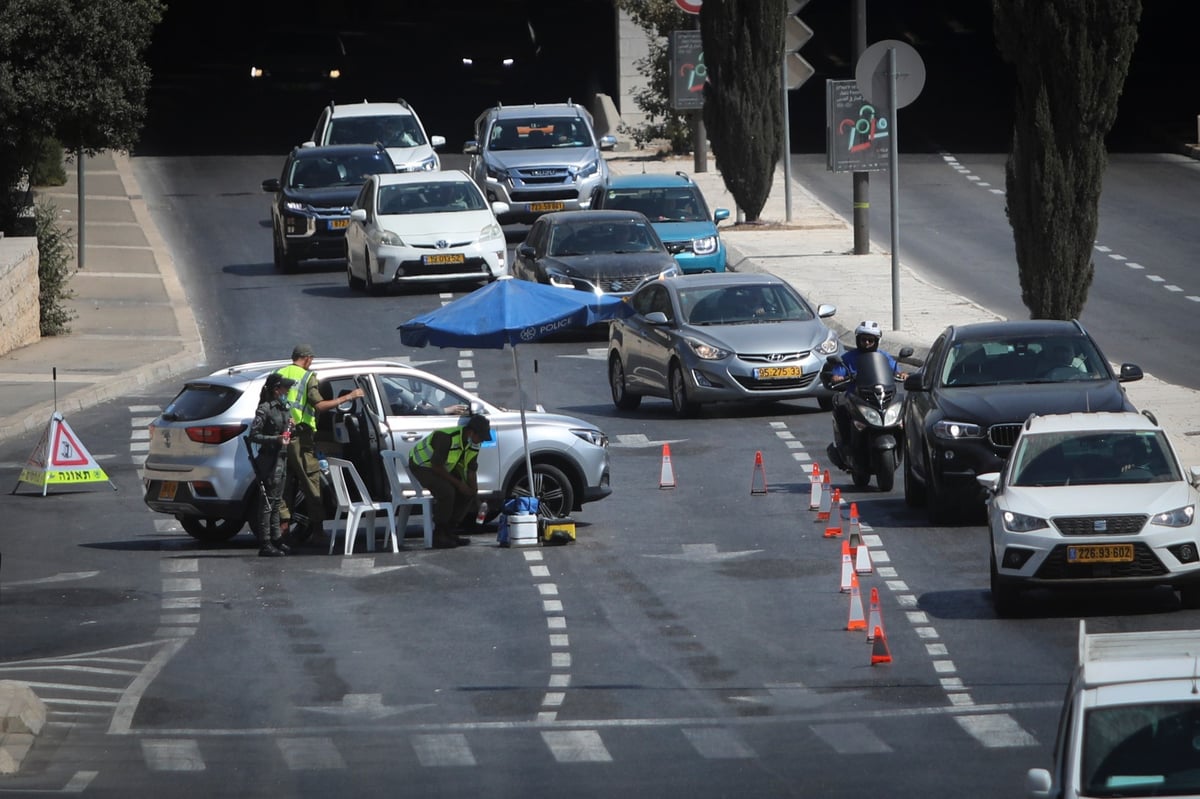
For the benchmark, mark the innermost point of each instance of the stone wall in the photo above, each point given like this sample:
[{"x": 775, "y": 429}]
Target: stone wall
[{"x": 19, "y": 310}]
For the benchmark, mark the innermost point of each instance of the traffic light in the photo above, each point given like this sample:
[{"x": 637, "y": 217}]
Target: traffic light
[{"x": 795, "y": 35}]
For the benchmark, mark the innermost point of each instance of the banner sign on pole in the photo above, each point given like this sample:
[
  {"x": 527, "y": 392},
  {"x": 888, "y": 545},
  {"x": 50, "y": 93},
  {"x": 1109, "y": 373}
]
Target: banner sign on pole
[
  {"x": 857, "y": 137},
  {"x": 60, "y": 459},
  {"x": 688, "y": 72}
]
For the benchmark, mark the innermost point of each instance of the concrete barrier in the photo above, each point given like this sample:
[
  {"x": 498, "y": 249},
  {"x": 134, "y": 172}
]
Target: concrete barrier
[
  {"x": 19, "y": 310},
  {"x": 22, "y": 716}
]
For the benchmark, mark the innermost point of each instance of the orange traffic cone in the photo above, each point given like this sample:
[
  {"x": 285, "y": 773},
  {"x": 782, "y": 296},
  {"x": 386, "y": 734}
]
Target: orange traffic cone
[
  {"x": 847, "y": 567},
  {"x": 834, "y": 528},
  {"x": 857, "y": 620},
  {"x": 862, "y": 560},
  {"x": 823, "y": 511},
  {"x": 759, "y": 471},
  {"x": 879, "y": 649},
  {"x": 666, "y": 477},
  {"x": 814, "y": 488},
  {"x": 875, "y": 622},
  {"x": 855, "y": 530}
]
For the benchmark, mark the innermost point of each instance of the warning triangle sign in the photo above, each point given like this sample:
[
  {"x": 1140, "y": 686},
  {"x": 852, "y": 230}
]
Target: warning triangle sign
[{"x": 60, "y": 459}]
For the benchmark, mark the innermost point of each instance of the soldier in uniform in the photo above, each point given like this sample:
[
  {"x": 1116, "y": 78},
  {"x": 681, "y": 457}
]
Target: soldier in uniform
[{"x": 271, "y": 430}]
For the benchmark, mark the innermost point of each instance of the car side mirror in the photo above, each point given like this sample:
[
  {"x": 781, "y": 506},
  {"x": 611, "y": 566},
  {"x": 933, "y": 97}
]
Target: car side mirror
[
  {"x": 657, "y": 318},
  {"x": 1038, "y": 783},
  {"x": 525, "y": 251},
  {"x": 1129, "y": 373},
  {"x": 905, "y": 352},
  {"x": 471, "y": 147},
  {"x": 437, "y": 141},
  {"x": 359, "y": 214},
  {"x": 499, "y": 208},
  {"x": 271, "y": 185},
  {"x": 608, "y": 142},
  {"x": 990, "y": 481},
  {"x": 825, "y": 310},
  {"x": 720, "y": 215},
  {"x": 1194, "y": 476},
  {"x": 913, "y": 382}
]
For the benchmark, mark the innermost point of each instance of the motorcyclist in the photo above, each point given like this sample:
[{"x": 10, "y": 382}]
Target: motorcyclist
[{"x": 866, "y": 339}]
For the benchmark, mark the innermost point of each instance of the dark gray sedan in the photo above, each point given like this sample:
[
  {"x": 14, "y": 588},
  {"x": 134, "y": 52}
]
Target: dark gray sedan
[
  {"x": 604, "y": 252},
  {"x": 720, "y": 337}
]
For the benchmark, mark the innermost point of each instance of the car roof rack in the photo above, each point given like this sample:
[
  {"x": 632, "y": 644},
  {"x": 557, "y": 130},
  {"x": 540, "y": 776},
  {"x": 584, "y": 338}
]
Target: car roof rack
[{"x": 683, "y": 175}]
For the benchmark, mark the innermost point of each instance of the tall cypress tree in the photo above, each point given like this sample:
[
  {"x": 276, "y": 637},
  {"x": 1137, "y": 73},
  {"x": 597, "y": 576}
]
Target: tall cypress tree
[
  {"x": 1070, "y": 58},
  {"x": 743, "y": 45}
]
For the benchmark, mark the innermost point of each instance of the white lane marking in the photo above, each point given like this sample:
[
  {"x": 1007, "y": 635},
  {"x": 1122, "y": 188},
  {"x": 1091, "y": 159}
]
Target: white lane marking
[
  {"x": 1134, "y": 265},
  {"x": 996, "y": 731},
  {"x": 547, "y": 589},
  {"x": 577, "y": 746},
  {"x": 640, "y": 440},
  {"x": 539, "y": 571},
  {"x": 61, "y": 577},
  {"x": 552, "y": 606},
  {"x": 172, "y": 755},
  {"x": 704, "y": 553},
  {"x": 181, "y": 585},
  {"x": 556, "y": 622},
  {"x": 310, "y": 754},
  {"x": 848, "y": 739},
  {"x": 559, "y": 681},
  {"x": 717, "y": 743},
  {"x": 442, "y": 751}
]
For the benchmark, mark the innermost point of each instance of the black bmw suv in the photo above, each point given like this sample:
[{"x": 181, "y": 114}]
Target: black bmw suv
[
  {"x": 964, "y": 408},
  {"x": 311, "y": 208}
]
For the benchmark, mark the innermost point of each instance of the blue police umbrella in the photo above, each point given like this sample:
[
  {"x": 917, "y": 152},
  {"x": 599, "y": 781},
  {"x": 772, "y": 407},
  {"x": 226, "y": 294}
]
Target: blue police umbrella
[{"x": 512, "y": 312}]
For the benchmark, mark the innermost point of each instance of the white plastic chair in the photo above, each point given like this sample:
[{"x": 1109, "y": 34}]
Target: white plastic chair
[
  {"x": 352, "y": 513},
  {"x": 405, "y": 498}
]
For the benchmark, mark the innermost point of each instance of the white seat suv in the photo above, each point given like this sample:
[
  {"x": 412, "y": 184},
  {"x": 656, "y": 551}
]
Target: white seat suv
[{"x": 394, "y": 125}]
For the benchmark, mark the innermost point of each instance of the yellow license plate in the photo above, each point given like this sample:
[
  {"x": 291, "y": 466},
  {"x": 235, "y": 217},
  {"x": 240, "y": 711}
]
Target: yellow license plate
[
  {"x": 1105, "y": 553},
  {"x": 448, "y": 258},
  {"x": 167, "y": 490},
  {"x": 540, "y": 207},
  {"x": 777, "y": 372},
  {"x": 338, "y": 224}
]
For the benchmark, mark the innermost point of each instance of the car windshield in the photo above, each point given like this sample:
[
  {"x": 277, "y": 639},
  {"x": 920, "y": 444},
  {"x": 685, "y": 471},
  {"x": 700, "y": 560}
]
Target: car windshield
[
  {"x": 1022, "y": 360},
  {"x": 682, "y": 204},
  {"x": 430, "y": 198},
  {"x": 731, "y": 305},
  {"x": 1141, "y": 750},
  {"x": 390, "y": 131},
  {"x": 595, "y": 238},
  {"x": 337, "y": 170},
  {"x": 1093, "y": 458},
  {"x": 538, "y": 133}
]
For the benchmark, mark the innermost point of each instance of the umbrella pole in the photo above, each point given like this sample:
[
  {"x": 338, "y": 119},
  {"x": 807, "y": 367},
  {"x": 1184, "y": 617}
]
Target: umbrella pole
[{"x": 524, "y": 429}]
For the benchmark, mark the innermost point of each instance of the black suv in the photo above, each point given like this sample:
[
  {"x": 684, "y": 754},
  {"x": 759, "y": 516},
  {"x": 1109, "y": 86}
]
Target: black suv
[
  {"x": 964, "y": 408},
  {"x": 311, "y": 208}
]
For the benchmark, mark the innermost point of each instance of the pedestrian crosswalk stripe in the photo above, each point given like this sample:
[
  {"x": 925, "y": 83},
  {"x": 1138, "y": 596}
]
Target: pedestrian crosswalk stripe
[
  {"x": 310, "y": 754},
  {"x": 996, "y": 731},
  {"x": 443, "y": 750},
  {"x": 172, "y": 755},
  {"x": 717, "y": 743},
  {"x": 577, "y": 746}
]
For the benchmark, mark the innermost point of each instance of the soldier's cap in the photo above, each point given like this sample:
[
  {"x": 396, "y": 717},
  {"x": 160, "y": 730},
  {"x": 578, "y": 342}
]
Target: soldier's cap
[
  {"x": 276, "y": 380},
  {"x": 303, "y": 351},
  {"x": 480, "y": 425}
]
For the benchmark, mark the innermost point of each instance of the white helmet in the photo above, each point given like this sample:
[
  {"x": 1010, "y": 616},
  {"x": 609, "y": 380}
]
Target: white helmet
[{"x": 868, "y": 328}]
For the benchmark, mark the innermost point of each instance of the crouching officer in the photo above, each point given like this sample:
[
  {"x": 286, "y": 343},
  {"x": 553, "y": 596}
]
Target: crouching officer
[{"x": 446, "y": 463}]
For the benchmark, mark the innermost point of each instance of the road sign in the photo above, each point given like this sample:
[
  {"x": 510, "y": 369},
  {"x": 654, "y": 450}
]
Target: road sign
[
  {"x": 687, "y": 70},
  {"x": 871, "y": 73},
  {"x": 690, "y": 6},
  {"x": 795, "y": 35}
]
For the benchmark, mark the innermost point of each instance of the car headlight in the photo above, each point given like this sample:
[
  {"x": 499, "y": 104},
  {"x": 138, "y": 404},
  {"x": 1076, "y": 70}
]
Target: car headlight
[
  {"x": 591, "y": 436},
  {"x": 390, "y": 239},
  {"x": 828, "y": 346},
  {"x": 704, "y": 246},
  {"x": 496, "y": 173},
  {"x": 559, "y": 280},
  {"x": 430, "y": 164},
  {"x": 955, "y": 431},
  {"x": 292, "y": 205},
  {"x": 708, "y": 352},
  {"x": 1022, "y": 523},
  {"x": 889, "y": 417},
  {"x": 1180, "y": 517},
  {"x": 491, "y": 230},
  {"x": 587, "y": 170}
]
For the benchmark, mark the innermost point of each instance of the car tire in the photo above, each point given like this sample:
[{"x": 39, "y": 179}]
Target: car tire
[
  {"x": 682, "y": 406},
  {"x": 555, "y": 494},
  {"x": 355, "y": 283},
  {"x": 1005, "y": 596},
  {"x": 914, "y": 492},
  {"x": 861, "y": 479},
  {"x": 885, "y": 478},
  {"x": 276, "y": 252},
  {"x": 825, "y": 403},
  {"x": 210, "y": 529},
  {"x": 284, "y": 261},
  {"x": 621, "y": 397}
]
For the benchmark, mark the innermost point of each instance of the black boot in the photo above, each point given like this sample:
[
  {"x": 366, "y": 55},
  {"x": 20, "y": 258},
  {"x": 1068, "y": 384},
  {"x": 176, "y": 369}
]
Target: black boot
[
  {"x": 270, "y": 551},
  {"x": 282, "y": 545}
]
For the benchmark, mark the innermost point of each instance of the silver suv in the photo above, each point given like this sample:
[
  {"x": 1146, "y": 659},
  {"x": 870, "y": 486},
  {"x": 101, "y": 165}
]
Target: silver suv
[
  {"x": 198, "y": 469},
  {"x": 394, "y": 125},
  {"x": 538, "y": 158}
]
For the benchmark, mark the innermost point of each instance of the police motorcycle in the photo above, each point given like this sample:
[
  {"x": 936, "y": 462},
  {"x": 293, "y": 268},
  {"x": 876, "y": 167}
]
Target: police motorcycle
[{"x": 876, "y": 426}]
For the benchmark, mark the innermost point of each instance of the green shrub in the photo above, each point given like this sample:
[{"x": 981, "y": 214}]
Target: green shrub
[
  {"x": 54, "y": 271},
  {"x": 47, "y": 169}
]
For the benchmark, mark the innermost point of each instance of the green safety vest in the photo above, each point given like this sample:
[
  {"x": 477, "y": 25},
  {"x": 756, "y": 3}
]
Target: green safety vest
[
  {"x": 459, "y": 458},
  {"x": 297, "y": 396}
]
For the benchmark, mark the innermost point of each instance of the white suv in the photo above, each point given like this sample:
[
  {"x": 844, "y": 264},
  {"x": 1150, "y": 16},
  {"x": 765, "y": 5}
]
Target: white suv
[
  {"x": 538, "y": 159},
  {"x": 394, "y": 125}
]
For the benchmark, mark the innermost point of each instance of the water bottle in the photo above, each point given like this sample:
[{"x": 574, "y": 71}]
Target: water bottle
[
  {"x": 482, "y": 515},
  {"x": 324, "y": 464},
  {"x": 287, "y": 434}
]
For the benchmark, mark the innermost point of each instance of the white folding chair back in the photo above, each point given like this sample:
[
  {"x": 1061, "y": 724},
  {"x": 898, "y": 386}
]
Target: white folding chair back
[
  {"x": 352, "y": 513},
  {"x": 407, "y": 493}
]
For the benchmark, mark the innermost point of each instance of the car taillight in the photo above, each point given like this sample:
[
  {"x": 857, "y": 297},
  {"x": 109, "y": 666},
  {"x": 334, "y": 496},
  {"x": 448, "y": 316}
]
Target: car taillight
[{"x": 216, "y": 433}]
